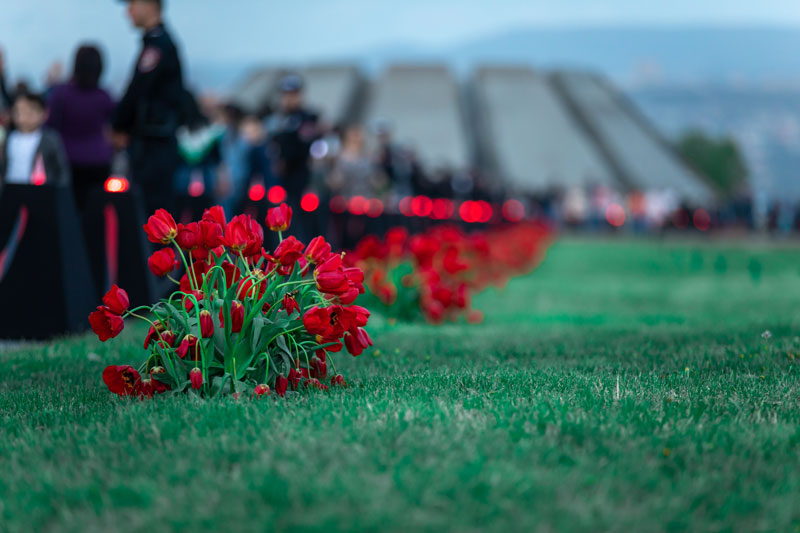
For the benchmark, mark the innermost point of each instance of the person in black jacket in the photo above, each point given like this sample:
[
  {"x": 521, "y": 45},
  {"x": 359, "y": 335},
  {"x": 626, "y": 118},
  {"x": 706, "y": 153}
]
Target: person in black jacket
[{"x": 149, "y": 114}]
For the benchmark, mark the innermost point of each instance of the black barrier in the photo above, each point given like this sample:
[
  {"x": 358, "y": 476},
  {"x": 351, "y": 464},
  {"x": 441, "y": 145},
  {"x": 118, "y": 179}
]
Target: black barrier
[
  {"x": 45, "y": 285},
  {"x": 118, "y": 248}
]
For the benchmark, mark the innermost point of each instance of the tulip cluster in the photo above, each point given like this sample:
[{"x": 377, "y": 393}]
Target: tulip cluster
[
  {"x": 241, "y": 320},
  {"x": 435, "y": 274}
]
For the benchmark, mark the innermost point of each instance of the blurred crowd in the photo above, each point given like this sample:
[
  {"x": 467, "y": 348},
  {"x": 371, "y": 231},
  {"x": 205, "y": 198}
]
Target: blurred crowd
[{"x": 243, "y": 159}]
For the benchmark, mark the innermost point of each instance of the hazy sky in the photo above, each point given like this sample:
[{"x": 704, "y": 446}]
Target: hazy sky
[{"x": 33, "y": 33}]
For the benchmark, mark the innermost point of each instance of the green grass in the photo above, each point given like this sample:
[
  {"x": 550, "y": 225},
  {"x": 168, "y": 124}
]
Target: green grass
[{"x": 623, "y": 386}]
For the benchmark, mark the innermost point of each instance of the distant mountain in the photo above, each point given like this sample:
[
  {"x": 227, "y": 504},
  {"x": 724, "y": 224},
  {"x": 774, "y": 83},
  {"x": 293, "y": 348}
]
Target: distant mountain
[{"x": 632, "y": 55}]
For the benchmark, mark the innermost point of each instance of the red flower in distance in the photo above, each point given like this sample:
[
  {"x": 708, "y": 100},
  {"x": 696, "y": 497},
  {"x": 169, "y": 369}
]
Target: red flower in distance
[
  {"x": 356, "y": 341},
  {"x": 105, "y": 323},
  {"x": 117, "y": 300},
  {"x": 281, "y": 384},
  {"x": 338, "y": 380},
  {"x": 188, "y": 237},
  {"x": 261, "y": 390},
  {"x": 196, "y": 377},
  {"x": 279, "y": 218},
  {"x": 319, "y": 366},
  {"x": 162, "y": 262},
  {"x": 237, "y": 316},
  {"x": 123, "y": 380},
  {"x": 151, "y": 387},
  {"x": 161, "y": 227},
  {"x": 317, "y": 250},
  {"x": 206, "y": 324}
]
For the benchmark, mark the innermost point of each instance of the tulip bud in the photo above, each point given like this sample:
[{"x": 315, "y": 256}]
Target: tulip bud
[
  {"x": 206, "y": 324},
  {"x": 161, "y": 227},
  {"x": 261, "y": 390},
  {"x": 237, "y": 316},
  {"x": 281, "y": 384},
  {"x": 279, "y": 218},
  {"x": 338, "y": 380},
  {"x": 196, "y": 377},
  {"x": 319, "y": 368}
]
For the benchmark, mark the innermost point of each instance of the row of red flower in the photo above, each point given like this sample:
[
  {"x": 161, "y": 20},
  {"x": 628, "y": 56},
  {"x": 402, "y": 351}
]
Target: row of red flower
[{"x": 241, "y": 319}]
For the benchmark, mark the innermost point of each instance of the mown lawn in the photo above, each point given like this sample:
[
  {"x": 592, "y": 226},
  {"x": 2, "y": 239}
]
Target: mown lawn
[{"x": 623, "y": 386}]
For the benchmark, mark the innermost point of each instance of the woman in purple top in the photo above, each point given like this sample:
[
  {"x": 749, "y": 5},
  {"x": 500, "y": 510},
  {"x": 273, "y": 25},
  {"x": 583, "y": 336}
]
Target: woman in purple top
[{"x": 81, "y": 112}]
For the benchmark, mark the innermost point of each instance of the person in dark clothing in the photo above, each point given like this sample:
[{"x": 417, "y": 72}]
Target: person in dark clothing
[
  {"x": 81, "y": 112},
  {"x": 292, "y": 130},
  {"x": 148, "y": 116}
]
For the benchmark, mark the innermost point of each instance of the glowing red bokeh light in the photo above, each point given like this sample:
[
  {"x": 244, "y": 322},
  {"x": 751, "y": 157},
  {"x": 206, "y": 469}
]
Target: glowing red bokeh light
[
  {"x": 615, "y": 215},
  {"x": 309, "y": 202},
  {"x": 405, "y": 206},
  {"x": 442, "y": 209},
  {"x": 357, "y": 205},
  {"x": 338, "y": 204},
  {"x": 276, "y": 194},
  {"x": 197, "y": 188},
  {"x": 374, "y": 208},
  {"x": 116, "y": 184},
  {"x": 513, "y": 210},
  {"x": 421, "y": 206}
]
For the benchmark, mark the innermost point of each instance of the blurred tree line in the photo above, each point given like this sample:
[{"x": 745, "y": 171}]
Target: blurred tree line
[{"x": 718, "y": 159}]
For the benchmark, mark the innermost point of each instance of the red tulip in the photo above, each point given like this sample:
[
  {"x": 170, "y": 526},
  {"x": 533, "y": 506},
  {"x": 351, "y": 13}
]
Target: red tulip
[
  {"x": 162, "y": 262},
  {"x": 279, "y": 218},
  {"x": 317, "y": 250},
  {"x": 123, "y": 380},
  {"x": 338, "y": 380},
  {"x": 261, "y": 390},
  {"x": 188, "y": 303},
  {"x": 243, "y": 234},
  {"x": 206, "y": 324},
  {"x": 151, "y": 387},
  {"x": 281, "y": 384},
  {"x": 117, "y": 300},
  {"x": 188, "y": 237},
  {"x": 290, "y": 304},
  {"x": 319, "y": 367},
  {"x": 356, "y": 341},
  {"x": 105, "y": 323},
  {"x": 314, "y": 382},
  {"x": 167, "y": 339},
  {"x": 318, "y": 321},
  {"x": 196, "y": 377},
  {"x": 215, "y": 214},
  {"x": 152, "y": 333},
  {"x": 295, "y": 375},
  {"x": 288, "y": 251},
  {"x": 188, "y": 343},
  {"x": 330, "y": 276},
  {"x": 161, "y": 227},
  {"x": 210, "y": 234},
  {"x": 237, "y": 316}
]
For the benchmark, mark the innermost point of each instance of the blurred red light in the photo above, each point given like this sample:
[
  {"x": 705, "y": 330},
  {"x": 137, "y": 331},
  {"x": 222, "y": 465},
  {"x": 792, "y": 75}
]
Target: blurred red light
[
  {"x": 442, "y": 209},
  {"x": 615, "y": 215},
  {"x": 276, "y": 194},
  {"x": 470, "y": 211},
  {"x": 701, "y": 220},
  {"x": 116, "y": 184},
  {"x": 197, "y": 188},
  {"x": 256, "y": 192},
  {"x": 338, "y": 204},
  {"x": 421, "y": 206},
  {"x": 358, "y": 205},
  {"x": 309, "y": 202},
  {"x": 374, "y": 208},
  {"x": 513, "y": 210},
  {"x": 486, "y": 211},
  {"x": 405, "y": 206}
]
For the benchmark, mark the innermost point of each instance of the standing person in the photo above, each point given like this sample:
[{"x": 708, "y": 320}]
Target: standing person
[
  {"x": 30, "y": 145},
  {"x": 81, "y": 112},
  {"x": 292, "y": 130},
  {"x": 148, "y": 116}
]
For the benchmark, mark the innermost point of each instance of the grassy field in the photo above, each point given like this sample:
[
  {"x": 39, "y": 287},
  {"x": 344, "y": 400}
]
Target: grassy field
[{"x": 623, "y": 386}]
